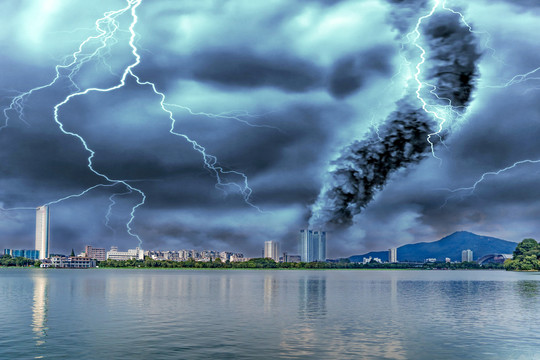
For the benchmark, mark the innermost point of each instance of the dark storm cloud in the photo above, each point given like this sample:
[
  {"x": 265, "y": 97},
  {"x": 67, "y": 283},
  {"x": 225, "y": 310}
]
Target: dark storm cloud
[
  {"x": 306, "y": 67},
  {"x": 239, "y": 68},
  {"x": 248, "y": 70},
  {"x": 351, "y": 72},
  {"x": 365, "y": 166},
  {"x": 510, "y": 134}
]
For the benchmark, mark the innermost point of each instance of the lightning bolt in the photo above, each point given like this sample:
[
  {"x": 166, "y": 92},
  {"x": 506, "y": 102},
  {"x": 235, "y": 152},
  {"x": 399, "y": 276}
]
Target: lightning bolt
[
  {"x": 531, "y": 75},
  {"x": 517, "y": 79},
  {"x": 471, "y": 189},
  {"x": 112, "y": 202},
  {"x": 106, "y": 27},
  {"x": 415, "y": 34},
  {"x": 239, "y": 116},
  {"x": 442, "y": 109}
]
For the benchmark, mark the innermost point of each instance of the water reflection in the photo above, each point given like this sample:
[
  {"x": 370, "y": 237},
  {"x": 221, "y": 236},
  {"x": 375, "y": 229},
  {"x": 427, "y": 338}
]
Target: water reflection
[
  {"x": 312, "y": 297},
  {"x": 528, "y": 288},
  {"x": 40, "y": 305},
  {"x": 270, "y": 292}
]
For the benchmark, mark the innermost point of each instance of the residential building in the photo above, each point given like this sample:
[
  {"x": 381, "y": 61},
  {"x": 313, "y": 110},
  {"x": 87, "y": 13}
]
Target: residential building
[
  {"x": 95, "y": 253},
  {"x": 43, "y": 231},
  {"x": 114, "y": 254},
  {"x": 271, "y": 250},
  {"x": 238, "y": 257},
  {"x": 466, "y": 255},
  {"x": 312, "y": 245},
  {"x": 392, "y": 255}
]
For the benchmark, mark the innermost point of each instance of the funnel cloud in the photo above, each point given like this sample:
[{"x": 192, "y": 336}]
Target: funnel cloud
[{"x": 410, "y": 132}]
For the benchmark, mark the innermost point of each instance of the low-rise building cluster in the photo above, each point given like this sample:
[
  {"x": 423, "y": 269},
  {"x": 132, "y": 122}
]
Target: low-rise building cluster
[{"x": 204, "y": 255}]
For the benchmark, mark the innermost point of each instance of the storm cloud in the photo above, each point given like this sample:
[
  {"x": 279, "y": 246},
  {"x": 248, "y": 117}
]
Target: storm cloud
[
  {"x": 408, "y": 133},
  {"x": 276, "y": 91}
]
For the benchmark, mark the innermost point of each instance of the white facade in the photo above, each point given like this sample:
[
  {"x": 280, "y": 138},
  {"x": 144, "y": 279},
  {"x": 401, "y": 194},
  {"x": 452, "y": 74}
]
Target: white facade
[
  {"x": 466, "y": 255},
  {"x": 114, "y": 254},
  {"x": 43, "y": 232},
  {"x": 73, "y": 262},
  {"x": 271, "y": 250},
  {"x": 392, "y": 255}
]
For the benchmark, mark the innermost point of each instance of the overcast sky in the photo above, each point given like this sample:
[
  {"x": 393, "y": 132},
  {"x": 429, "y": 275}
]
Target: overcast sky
[{"x": 274, "y": 90}]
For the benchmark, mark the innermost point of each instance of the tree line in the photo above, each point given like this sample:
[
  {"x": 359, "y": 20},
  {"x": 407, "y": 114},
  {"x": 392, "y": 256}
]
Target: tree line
[
  {"x": 526, "y": 257},
  {"x": 8, "y": 260},
  {"x": 264, "y": 263}
]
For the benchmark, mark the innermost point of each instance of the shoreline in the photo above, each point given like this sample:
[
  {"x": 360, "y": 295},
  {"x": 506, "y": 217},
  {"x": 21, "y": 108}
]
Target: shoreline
[{"x": 257, "y": 269}]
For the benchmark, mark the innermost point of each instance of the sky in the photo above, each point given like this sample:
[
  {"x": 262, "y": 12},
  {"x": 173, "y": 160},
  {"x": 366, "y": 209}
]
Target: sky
[{"x": 201, "y": 124}]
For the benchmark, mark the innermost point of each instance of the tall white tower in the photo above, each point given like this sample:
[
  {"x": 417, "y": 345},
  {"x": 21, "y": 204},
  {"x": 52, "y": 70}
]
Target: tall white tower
[
  {"x": 43, "y": 231},
  {"x": 271, "y": 250},
  {"x": 392, "y": 255}
]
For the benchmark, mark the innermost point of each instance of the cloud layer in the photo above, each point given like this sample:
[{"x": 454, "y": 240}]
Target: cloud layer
[{"x": 295, "y": 83}]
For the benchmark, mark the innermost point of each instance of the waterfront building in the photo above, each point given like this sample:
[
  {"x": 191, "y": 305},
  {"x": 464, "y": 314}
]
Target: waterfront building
[
  {"x": 290, "y": 258},
  {"x": 312, "y": 245},
  {"x": 28, "y": 254},
  {"x": 95, "y": 253},
  {"x": 114, "y": 254},
  {"x": 466, "y": 255},
  {"x": 271, "y": 250},
  {"x": 73, "y": 262},
  {"x": 392, "y": 255},
  {"x": 43, "y": 231},
  {"x": 294, "y": 258},
  {"x": 238, "y": 257}
]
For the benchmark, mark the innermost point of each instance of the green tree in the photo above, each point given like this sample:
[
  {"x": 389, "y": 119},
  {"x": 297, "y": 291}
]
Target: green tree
[{"x": 526, "y": 256}]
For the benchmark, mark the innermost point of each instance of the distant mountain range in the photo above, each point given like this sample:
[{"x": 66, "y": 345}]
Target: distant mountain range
[{"x": 449, "y": 246}]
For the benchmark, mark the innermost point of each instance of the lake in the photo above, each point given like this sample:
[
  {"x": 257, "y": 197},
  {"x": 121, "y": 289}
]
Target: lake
[{"x": 268, "y": 314}]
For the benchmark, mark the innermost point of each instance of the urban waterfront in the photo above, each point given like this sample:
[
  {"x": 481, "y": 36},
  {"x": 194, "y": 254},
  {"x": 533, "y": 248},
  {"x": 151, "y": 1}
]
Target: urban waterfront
[{"x": 246, "y": 314}]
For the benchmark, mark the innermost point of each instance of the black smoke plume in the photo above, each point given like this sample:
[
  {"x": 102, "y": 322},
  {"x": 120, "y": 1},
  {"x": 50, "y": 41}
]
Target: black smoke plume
[{"x": 364, "y": 167}]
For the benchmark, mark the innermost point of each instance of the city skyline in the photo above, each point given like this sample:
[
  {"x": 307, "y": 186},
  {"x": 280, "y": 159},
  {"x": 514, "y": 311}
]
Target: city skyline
[{"x": 188, "y": 125}]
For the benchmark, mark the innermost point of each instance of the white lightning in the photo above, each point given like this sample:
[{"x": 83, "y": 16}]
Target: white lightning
[
  {"x": 107, "y": 26},
  {"x": 471, "y": 189}
]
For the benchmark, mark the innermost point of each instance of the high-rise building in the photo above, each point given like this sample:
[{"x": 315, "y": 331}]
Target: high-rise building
[
  {"x": 95, "y": 253},
  {"x": 312, "y": 245},
  {"x": 43, "y": 231},
  {"x": 392, "y": 255},
  {"x": 466, "y": 255},
  {"x": 271, "y": 250}
]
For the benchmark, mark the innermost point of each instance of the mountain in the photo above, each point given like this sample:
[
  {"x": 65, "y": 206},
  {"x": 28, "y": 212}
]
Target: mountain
[{"x": 449, "y": 246}]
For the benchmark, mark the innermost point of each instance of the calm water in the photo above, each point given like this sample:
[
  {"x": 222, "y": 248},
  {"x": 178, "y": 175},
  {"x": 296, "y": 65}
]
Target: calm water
[{"x": 188, "y": 314}]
